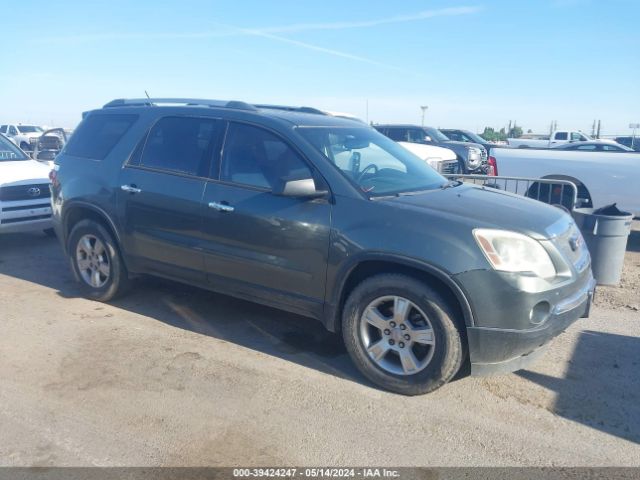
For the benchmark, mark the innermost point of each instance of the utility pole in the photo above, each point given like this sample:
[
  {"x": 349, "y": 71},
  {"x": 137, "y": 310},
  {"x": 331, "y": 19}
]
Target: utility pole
[
  {"x": 633, "y": 126},
  {"x": 593, "y": 129},
  {"x": 598, "y": 134},
  {"x": 424, "y": 109}
]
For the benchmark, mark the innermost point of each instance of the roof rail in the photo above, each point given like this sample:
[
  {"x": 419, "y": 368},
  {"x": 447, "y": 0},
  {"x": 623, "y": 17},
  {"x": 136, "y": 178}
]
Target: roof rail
[
  {"x": 191, "y": 102},
  {"x": 292, "y": 109}
]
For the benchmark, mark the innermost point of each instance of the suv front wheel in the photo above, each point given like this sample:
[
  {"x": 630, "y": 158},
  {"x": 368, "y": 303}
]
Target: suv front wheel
[
  {"x": 96, "y": 262},
  {"x": 401, "y": 334}
]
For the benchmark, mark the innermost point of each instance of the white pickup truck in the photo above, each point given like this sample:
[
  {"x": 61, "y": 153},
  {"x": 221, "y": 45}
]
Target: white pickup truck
[
  {"x": 602, "y": 178},
  {"x": 25, "y": 203},
  {"x": 24, "y": 136},
  {"x": 558, "y": 137}
]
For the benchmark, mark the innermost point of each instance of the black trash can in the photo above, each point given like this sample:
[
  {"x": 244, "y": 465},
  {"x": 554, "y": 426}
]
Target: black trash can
[{"x": 606, "y": 231}]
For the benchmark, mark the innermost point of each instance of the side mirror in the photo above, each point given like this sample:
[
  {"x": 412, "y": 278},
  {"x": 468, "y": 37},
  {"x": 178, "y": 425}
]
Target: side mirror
[{"x": 302, "y": 188}]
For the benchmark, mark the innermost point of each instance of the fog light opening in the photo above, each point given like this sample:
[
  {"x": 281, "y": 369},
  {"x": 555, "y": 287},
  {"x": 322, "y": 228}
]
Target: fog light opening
[{"x": 540, "y": 312}]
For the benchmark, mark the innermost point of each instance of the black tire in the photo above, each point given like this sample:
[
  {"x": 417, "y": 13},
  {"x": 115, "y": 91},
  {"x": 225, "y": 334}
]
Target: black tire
[
  {"x": 49, "y": 232},
  {"x": 449, "y": 350},
  {"x": 118, "y": 281}
]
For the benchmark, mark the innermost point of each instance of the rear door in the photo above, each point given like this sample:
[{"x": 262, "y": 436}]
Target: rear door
[
  {"x": 160, "y": 196},
  {"x": 258, "y": 244}
]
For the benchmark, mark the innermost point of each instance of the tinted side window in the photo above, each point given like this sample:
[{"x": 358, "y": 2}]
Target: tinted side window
[
  {"x": 256, "y": 157},
  {"x": 562, "y": 136},
  {"x": 577, "y": 136},
  {"x": 98, "y": 134},
  {"x": 181, "y": 144},
  {"x": 13, "y": 130},
  {"x": 585, "y": 147},
  {"x": 416, "y": 136},
  {"x": 397, "y": 134},
  {"x": 611, "y": 148},
  {"x": 455, "y": 136}
]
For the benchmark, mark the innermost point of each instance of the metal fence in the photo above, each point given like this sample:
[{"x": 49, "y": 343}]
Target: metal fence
[{"x": 554, "y": 192}]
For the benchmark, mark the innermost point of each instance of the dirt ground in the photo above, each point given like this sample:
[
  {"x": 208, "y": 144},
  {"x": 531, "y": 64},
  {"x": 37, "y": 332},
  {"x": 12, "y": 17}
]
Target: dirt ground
[
  {"x": 625, "y": 296},
  {"x": 176, "y": 376}
]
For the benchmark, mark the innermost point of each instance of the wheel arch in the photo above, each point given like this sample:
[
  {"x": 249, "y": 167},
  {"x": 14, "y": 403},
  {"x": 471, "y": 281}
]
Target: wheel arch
[
  {"x": 85, "y": 211},
  {"x": 374, "y": 264},
  {"x": 582, "y": 188}
]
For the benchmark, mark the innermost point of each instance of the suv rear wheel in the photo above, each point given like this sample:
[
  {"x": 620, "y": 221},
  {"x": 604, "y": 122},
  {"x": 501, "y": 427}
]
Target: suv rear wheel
[
  {"x": 96, "y": 261},
  {"x": 401, "y": 334}
]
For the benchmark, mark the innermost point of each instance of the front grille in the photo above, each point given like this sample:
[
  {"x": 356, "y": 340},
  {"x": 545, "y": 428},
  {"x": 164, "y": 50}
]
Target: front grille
[
  {"x": 25, "y": 219},
  {"x": 25, "y": 192},
  {"x": 449, "y": 168},
  {"x": 573, "y": 248},
  {"x": 26, "y": 207}
]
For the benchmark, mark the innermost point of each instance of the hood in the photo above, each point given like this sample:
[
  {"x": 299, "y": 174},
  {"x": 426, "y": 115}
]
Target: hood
[
  {"x": 23, "y": 172},
  {"x": 463, "y": 144},
  {"x": 31, "y": 134},
  {"x": 483, "y": 207},
  {"x": 426, "y": 152}
]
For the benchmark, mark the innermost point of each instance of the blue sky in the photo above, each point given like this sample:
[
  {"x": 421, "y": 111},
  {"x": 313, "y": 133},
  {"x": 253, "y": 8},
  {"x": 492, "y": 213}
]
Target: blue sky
[{"x": 474, "y": 63}]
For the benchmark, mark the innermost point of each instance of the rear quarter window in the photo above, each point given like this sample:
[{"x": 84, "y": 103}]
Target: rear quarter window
[{"x": 96, "y": 136}]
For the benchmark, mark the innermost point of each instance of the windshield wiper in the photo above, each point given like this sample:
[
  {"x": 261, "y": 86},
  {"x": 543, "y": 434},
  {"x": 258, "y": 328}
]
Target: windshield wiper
[{"x": 451, "y": 184}]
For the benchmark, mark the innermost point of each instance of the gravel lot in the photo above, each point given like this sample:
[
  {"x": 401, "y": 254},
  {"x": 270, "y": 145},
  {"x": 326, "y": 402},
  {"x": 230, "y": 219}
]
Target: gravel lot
[{"x": 172, "y": 375}]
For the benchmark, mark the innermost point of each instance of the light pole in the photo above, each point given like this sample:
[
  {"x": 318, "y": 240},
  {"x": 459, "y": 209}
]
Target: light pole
[{"x": 424, "y": 109}]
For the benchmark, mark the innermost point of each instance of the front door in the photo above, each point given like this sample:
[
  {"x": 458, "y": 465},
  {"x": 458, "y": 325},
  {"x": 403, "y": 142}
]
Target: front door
[
  {"x": 258, "y": 244},
  {"x": 160, "y": 197}
]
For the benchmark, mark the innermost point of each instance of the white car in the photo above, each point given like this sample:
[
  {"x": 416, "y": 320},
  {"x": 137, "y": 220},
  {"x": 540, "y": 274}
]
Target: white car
[
  {"x": 441, "y": 159},
  {"x": 24, "y": 136},
  {"x": 25, "y": 195},
  {"x": 602, "y": 178}
]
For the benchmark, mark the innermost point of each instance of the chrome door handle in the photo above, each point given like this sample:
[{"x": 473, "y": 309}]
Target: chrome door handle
[
  {"x": 130, "y": 189},
  {"x": 221, "y": 207}
]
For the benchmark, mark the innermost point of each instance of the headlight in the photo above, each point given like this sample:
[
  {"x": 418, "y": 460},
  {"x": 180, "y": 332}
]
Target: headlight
[
  {"x": 474, "y": 156},
  {"x": 513, "y": 252}
]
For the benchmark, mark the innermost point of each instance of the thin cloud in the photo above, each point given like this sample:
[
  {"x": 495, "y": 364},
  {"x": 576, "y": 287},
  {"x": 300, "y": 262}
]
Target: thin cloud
[
  {"x": 316, "y": 48},
  {"x": 413, "y": 17},
  {"x": 233, "y": 31}
]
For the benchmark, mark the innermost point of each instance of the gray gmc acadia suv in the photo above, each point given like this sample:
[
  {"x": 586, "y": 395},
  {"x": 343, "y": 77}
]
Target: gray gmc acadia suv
[{"x": 325, "y": 217}]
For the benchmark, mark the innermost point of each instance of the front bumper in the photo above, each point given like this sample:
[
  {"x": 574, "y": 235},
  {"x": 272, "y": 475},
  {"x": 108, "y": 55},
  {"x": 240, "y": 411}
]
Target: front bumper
[
  {"x": 500, "y": 350},
  {"x": 27, "y": 226}
]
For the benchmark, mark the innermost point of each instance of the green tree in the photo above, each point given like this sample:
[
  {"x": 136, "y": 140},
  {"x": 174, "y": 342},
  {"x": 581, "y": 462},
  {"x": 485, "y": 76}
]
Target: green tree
[
  {"x": 490, "y": 135},
  {"x": 515, "y": 132}
]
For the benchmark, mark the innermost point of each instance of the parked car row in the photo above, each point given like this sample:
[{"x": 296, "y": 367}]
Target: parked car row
[
  {"x": 471, "y": 156},
  {"x": 323, "y": 215}
]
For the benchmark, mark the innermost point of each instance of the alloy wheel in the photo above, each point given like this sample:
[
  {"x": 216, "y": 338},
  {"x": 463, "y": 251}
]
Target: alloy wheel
[{"x": 397, "y": 335}]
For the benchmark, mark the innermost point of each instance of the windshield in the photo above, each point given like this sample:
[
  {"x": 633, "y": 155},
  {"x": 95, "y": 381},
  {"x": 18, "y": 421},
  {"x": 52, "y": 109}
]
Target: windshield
[
  {"x": 375, "y": 164},
  {"x": 466, "y": 136},
  {"x": 29, "y": 129},
  {"x": 436, "y": 135},
  {"x": 9, "y": 152}
]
